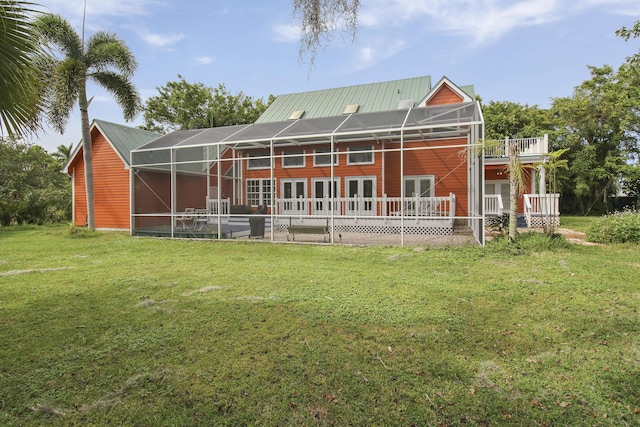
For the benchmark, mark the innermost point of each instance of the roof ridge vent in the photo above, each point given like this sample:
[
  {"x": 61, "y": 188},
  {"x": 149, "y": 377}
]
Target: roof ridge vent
[{"x": 405, "y": 104}]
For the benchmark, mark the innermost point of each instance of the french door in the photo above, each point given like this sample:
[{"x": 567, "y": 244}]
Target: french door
[
  {"x": 361, "y": 193},
  {"x": 323, "y": 195},
  {"x": 294, "y": 194}
]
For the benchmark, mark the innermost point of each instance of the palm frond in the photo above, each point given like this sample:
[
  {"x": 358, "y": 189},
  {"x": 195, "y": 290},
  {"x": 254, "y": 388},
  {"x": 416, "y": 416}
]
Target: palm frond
[
  {"x": 105, "y": 50},
  {"x": 67, "y": 80},
  {"x": 122, "y": 90},
  {"x": 56, "y": 32},
  {"x": 20, "y": 103}
]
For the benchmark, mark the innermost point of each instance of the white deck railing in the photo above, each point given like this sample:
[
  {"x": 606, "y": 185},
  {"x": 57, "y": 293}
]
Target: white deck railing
[
  {"x": 538, "y": 207},
  {"x": 493, "y": 204},
  {"x": 524, "y": 147},
  {"x": 212, "y": 206},
  {"x": 369, "y": 206}
]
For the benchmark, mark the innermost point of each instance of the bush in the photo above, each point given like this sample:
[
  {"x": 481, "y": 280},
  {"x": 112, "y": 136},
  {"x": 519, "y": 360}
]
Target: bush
[{"x": 618, "y": 227}]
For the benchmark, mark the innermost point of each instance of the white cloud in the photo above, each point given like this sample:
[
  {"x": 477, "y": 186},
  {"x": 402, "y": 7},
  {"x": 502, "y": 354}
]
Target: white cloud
[
  {"x": 286, "y": 33},
  {"x": 482, "y": 21},
  {"x": 369, "y": 56},
  {"x": 160, "y": 40},
  {"x": 203, "y": 60}
]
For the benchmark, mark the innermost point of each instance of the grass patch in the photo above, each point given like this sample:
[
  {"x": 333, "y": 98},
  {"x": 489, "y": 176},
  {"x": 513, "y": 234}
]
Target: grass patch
[
  {"x": 577, "y": 223},
  {"x": 136, "y": 331}
]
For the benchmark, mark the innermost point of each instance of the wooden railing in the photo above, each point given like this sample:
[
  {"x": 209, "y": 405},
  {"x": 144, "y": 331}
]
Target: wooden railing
[
  {"x": 493, "y": 204},
  {"x": 369, "y": 206},
  {"x": 524, "y": 147},
  {"x": 212, "y": 206},
  {"x": 538, "y": 207}
]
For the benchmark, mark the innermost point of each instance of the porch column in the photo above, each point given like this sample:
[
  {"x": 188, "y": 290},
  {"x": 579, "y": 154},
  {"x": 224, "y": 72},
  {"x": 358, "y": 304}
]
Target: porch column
[{"x": 542, "y": 189}]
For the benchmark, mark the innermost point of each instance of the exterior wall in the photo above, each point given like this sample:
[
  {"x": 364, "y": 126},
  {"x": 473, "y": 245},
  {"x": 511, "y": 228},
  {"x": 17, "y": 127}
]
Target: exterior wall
[
  {"x": 499, "y": 173},
  {"x": 110, "y": 187},
  {"x": 445, "y": 96},
  {"x": 446, "y": 164},
  {"x": 309, "y": 172}
]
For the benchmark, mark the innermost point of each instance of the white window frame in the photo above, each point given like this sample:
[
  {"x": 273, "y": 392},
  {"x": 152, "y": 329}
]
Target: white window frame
[
  {"x": 324, "y": 153},
  {"x": 415, "y": 178},
  {"x": 294, "y": 155},
  {"x": 262, "y": 157},
  {"x": 360, "y": 150},
  {"x": 264, "y": 197}
]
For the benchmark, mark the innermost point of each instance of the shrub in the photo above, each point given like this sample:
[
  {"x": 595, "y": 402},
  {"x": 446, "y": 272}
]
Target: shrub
[{"x": 618, "y": 227}]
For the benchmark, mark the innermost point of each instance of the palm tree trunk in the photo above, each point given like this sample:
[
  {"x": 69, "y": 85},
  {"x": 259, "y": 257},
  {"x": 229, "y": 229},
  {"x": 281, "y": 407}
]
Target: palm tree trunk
[
  {"x": 514, "y": 191},
  {"x": 87, "y": 156}
]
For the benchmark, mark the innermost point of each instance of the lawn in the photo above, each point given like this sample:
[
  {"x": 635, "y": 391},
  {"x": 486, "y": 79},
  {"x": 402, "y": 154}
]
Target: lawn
[
  {"x": 103, "y": 329},
  {"x": 577, "y": 223}
]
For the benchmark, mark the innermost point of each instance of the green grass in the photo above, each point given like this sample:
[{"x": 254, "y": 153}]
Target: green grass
[
  {"x": 577, "y": 223},
  {"x": 108, "y": 329}
]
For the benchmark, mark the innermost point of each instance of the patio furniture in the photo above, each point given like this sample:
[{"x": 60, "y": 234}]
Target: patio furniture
[
  {"x": 186, "y": 220},
  {"x": 256, "y": 223},
  {"x": 200, "y": 219},
  {"x": 308, "y": 229}
]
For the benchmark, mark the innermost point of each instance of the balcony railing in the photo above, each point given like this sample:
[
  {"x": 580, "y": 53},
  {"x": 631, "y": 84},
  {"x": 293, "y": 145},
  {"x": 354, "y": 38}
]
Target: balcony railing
[
  {"x": 493, "y": 204},
  {"x": 537, "y": 146}
]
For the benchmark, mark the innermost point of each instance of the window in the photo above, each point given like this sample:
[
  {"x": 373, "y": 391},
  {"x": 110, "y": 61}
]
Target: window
[
  {"x": 360, "y": 155},
  {"x": 322, "y": 159},
  {"x": 420, "y": 186},
  {"x": 259, "y": 192},
  {"x": 258, "y": 161},
  {"x": 293, "y": 159}
]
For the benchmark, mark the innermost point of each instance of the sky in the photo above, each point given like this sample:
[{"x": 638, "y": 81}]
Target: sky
[{"x": 523, "y": 51}]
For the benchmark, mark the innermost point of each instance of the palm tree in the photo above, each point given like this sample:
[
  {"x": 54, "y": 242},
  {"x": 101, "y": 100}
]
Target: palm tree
[
  {"x": 21, "y": 81},
  {"x": 63, "y": 153},
  {"x": 105, "y": 60},
  {"x": 516, "y": 187}
]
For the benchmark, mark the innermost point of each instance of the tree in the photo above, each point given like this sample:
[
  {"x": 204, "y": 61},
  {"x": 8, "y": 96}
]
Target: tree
[
  {"x": 320, "y": 18},
  {"x": 21, "y": 78},
  {"x": 599, "y": 127},
  {"x": 105, "y": 60},
  {"x": 63, "y": 154},
  {"x": 509, "y": 119},
  {"x": 182, "y": 105},
  {"x": 32, "y": 189}
]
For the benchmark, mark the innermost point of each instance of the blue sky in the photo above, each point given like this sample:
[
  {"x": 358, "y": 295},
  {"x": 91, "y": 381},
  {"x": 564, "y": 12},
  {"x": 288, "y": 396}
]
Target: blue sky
[{"x": 524, "y": 51}]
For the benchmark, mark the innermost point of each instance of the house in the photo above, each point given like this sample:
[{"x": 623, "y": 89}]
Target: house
[
  {"x": 111, "y": 147},
  {"x": 395, "y": 158},
  {"x": 402, "y": 159}
]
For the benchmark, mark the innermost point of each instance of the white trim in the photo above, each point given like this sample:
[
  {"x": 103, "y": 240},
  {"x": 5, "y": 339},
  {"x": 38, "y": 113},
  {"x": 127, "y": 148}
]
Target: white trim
[
  {"x": 336, "y": 158},
  {"x": 294, "y": 154},
  {"x": 444, "y": 81},
  {"x": 361, "y": 149}
]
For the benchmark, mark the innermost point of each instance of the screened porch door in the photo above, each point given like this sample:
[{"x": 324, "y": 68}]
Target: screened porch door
[
  {"x": 361, "y": 192},
  {"x": 294, "y": 193}
]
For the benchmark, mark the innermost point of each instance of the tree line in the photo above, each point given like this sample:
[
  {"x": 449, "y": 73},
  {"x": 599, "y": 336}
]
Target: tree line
[{"x": 597, "y": 128}]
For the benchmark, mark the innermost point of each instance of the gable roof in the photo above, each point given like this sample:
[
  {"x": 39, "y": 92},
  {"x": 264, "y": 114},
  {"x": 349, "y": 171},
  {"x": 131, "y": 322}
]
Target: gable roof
[
  {"x": 373, "y": 97},
  {"x": 122, "y": 138},
  {"x": 466, "y": 93}
]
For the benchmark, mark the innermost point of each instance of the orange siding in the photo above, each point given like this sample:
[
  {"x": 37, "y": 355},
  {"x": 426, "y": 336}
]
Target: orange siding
[
  {"x": 110, "y": 186},
  {"x": 446, "y": 164},
  {"x": 445, "y": 96}
]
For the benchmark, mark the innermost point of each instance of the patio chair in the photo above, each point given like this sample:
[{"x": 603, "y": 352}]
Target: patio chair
[
  {"x": 200, "y": 219},
  {"x": 186, "y": 219}
]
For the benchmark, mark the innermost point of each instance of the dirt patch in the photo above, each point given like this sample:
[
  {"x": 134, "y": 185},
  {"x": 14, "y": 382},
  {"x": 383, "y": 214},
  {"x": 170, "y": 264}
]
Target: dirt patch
[{"x": 32, "y": 270}]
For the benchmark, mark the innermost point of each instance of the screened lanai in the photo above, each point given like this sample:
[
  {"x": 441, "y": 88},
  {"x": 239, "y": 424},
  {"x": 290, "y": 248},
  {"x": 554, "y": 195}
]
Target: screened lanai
[{"x": 403, "y": 176}]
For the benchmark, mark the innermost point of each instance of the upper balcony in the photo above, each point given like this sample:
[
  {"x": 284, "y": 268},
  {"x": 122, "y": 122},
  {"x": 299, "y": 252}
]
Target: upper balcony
[{"x": 533, "y": 149}]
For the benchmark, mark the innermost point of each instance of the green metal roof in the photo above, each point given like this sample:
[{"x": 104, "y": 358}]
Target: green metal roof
[
  {"x": 372, "y": 97},
  {"x": 124, "y": 138}
]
